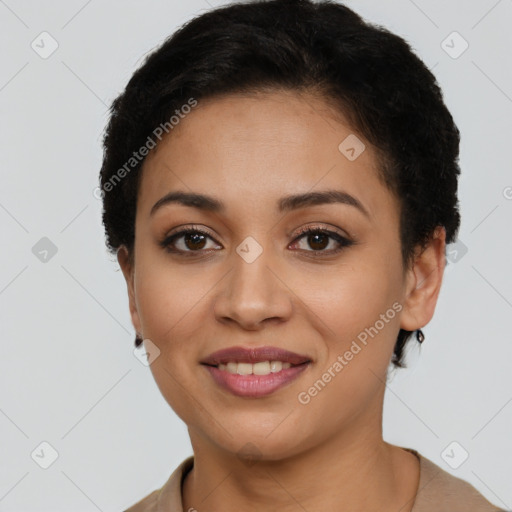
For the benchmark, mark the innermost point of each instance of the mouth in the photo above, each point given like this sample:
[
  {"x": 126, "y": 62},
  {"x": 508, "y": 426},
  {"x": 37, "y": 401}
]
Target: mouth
[{"x": 254, "y": 372}]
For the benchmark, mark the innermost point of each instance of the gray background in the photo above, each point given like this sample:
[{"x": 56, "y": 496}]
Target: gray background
[{"x": 68, "y": 373}]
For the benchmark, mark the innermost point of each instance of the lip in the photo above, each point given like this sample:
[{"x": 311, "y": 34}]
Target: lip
[
  {"x": 254, "y": 355},
  {"x": 255, "y": 386}
]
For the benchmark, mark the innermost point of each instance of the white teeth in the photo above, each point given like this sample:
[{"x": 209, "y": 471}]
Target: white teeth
[
  {"x": 276, "y": 366},
  {"x": 261, "y": 368},
  {"x": 244, "y": 368}
]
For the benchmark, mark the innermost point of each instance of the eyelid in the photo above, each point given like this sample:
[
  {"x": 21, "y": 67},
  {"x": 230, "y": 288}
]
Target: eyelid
[
  {"x": 189, "y": 227},
  {"x": 322, "y": 227}
]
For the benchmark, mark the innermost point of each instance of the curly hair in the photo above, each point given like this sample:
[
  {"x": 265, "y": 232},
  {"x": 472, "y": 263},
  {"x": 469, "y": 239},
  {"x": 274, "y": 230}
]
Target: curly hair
[{"x": 370, "y": 74}]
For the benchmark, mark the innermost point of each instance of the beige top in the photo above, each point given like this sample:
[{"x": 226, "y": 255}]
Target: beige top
[{"x": 438, "y": 491}]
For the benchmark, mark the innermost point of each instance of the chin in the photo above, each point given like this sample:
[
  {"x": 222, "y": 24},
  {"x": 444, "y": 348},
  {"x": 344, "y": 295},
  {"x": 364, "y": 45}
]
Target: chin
[{"x": 249, "y": 444}]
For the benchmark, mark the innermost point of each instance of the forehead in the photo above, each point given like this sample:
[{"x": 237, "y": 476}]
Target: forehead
[{"x": 251, "y": 149}]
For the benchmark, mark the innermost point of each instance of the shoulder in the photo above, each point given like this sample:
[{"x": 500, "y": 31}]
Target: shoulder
[
  {"x": 147, "y": 504},
  {"x": 440, "y": 491},
  {"x": 169, "y": 495}
]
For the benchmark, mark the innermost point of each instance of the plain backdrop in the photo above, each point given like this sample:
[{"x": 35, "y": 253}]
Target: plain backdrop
[{"x": 69, "y": 377}]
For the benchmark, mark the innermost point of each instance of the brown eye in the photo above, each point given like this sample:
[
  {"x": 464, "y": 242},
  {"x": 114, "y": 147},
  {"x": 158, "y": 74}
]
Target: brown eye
[
  {"x": 319, "y": 239},
  {"x": 187, "y": 242},
  {"x": 194, "y": 241}
]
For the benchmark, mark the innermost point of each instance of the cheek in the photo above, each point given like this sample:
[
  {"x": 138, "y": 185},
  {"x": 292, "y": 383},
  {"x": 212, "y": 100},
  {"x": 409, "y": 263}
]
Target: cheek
[
  {"x": 348, "y": 381},
  {"x": 361, "y": 308},
  {"x": 350, "y": 299},
  {"x": 173, "y": 307},
  {"x": 168, "y": 296}
]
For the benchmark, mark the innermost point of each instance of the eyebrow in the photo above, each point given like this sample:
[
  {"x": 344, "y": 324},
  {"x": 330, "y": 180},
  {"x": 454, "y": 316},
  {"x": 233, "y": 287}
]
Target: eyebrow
[{"x": 285, "y": 204}]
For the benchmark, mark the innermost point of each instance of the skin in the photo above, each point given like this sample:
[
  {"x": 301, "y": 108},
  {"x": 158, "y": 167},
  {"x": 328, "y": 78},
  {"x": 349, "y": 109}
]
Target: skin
[{"x": 248, "y": 151}]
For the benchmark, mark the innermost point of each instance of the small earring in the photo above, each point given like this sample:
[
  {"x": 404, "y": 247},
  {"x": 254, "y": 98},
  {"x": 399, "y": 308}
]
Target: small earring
[
  {"x": 420, "y": 336},
  {"x": 138, "y": 340}
]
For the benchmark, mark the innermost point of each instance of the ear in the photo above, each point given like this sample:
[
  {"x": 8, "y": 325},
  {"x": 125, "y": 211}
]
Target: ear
[
  {"x": 129, "y": 274},
  {"x": 423, "y": 282}
]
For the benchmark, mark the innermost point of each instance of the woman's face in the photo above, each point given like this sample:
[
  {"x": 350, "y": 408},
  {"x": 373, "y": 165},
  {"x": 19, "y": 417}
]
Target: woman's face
[{"x": 337, "y": 300}]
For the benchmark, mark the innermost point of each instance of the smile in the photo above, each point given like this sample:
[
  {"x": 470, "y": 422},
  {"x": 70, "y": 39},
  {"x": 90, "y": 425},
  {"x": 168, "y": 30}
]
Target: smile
[{"x": 256, "y": 372}]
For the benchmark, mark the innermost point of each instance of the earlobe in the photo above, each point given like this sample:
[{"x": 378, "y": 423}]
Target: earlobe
[
  {"x": 125, "y": 263},
  {"x": 423, "y": 283}
]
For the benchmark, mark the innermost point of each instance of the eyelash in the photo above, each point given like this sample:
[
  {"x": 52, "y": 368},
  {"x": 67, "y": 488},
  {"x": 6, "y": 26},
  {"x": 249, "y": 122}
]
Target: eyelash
[{"x": 167, "y": 242}]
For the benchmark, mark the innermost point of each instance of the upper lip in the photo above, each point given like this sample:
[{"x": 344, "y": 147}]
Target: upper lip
[{"x": 254, "y": 355}]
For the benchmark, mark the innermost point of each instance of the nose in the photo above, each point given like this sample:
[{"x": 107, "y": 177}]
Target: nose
[{"x": 253, "y": 294}]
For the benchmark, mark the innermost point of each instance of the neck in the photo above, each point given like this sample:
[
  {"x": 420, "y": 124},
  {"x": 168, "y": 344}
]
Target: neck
[{"x": 352, "y": 471}]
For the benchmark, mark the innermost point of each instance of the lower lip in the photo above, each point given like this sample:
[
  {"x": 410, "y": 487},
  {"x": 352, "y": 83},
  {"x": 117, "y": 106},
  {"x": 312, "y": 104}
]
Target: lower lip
[{"x": 255, "y": 386}]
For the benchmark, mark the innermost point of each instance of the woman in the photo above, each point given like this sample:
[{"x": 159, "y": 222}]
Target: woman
[{"x": 279, "y": 185}]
